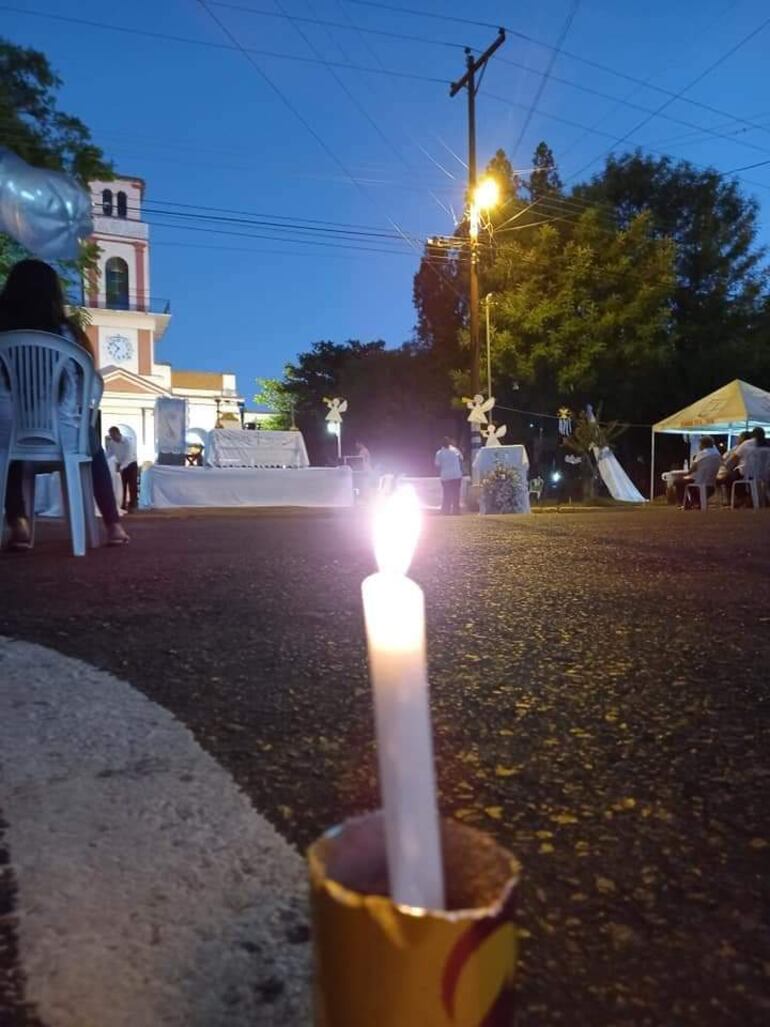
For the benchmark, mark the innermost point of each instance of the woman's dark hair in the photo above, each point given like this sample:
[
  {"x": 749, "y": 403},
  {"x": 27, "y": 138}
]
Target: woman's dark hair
[
  {"x": 32, "y": 298},
  {"x": 759, "y": 434}
]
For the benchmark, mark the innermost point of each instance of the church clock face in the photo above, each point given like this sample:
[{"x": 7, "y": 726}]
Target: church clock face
[{"x": 120, "y": 348}]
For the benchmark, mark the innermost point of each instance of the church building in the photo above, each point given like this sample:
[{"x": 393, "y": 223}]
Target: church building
[{"x": 126, "y": 323}]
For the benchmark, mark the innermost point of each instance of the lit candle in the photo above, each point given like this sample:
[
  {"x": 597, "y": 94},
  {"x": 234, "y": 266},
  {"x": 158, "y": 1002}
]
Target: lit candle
[{"x": 394, "y": 610}]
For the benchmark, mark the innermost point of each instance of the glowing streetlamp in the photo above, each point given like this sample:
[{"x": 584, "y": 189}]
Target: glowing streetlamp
[{"x": 487, "y": 194}]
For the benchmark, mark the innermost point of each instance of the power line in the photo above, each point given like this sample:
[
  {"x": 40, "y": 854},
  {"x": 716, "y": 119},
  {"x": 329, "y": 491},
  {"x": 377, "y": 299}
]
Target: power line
[
  {"x": 272, "y": 238},
  {"x": 423, "y": 40},
  {"x": 346, "y": 90},
  {"x": 543, "y": 75},
  {"x": 607, "y": 135},
  {"x": 678, "y": 96},
  {"x": 544, "y": 80},
  {"x": 390, "y": 72},
  {"x": 253, "y": 214},
  {"x": 303, "y": 121},
  {"x": 549, "y": 46},
  {"x": 218, "y": 46}
]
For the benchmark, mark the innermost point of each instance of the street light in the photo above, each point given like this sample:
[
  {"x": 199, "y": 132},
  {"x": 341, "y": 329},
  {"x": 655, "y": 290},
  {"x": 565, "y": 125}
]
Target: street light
[{"x": 487, "y": 194}]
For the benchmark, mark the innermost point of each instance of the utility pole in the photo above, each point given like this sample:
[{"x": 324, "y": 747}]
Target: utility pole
[
  {"x": 487, "y": 302},
  {"x": 471, "y": 85}
]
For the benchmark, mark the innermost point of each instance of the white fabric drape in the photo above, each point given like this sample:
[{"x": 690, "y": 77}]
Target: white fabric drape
[
  {"x": 165, "y": 487},
  {"x": 227, "y": 447}
]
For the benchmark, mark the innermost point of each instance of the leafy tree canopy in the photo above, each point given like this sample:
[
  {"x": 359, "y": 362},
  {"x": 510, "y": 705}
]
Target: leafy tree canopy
[
  {"x": 644, "y": 287},
  {"x": 33, "y": 127},
  {"x": 399, "y": 401}
]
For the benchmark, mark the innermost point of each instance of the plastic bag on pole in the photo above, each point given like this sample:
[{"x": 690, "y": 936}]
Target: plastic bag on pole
[{"x": 45, "y": 211}]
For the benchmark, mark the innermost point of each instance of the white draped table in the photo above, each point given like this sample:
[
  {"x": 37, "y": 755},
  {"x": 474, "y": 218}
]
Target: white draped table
[
  {"x": 235, "y": 447},
  {"x": 510, "y": 456},
  {"x": 165, "y": 487},
  {"x": 48, "y": 494}
]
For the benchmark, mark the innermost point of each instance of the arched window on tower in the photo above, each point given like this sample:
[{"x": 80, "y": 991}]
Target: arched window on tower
[
  {"x": 116, "y": 283},
  {"x": 122, "y": 205},
  {"x": 107, "y": 202}
]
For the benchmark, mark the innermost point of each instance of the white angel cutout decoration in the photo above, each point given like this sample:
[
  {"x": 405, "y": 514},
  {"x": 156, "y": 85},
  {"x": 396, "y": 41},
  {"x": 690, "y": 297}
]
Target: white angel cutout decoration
[
  {"x": 479, "y": 408},
  {"x": 493, "y": 435},
  {"x": 337, "y": 408}
]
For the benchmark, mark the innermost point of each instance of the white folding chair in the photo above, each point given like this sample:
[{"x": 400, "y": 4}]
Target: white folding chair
[
  {"x": 705, "y": 473},
  {"x": 536, "y": 486},
  {"x": 756, "y": 477},
  {"x": 32, "y": 365}
]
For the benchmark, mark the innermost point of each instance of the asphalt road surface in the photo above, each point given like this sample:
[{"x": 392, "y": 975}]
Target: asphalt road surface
[{"x": 600, "y": 696}]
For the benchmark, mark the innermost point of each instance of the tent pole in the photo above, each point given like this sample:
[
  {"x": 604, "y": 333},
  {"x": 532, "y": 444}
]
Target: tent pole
[{"x": 652, "y": 465}]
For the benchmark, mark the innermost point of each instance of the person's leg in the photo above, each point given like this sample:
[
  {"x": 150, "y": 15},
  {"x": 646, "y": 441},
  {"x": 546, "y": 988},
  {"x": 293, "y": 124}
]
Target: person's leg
[
  {"x": 16, "y": 515},
  {"x": 104, "y": 494},
  {"x": 455, "y": 502},
  {"x": 14, "y": 497},
  {"x": 132, "y": 475},
  {"x": 446, "y": 497},
  {"x": 124, "y": 480},
  {"x": 679, "y": 484}
]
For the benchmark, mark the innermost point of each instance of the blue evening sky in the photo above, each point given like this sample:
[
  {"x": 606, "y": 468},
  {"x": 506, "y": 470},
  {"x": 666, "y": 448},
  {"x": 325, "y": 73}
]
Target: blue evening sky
[{"x": 359, "y": 151}]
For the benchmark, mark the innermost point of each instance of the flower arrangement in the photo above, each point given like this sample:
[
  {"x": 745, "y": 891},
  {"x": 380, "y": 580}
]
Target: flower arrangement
[{"x": 503, "y": 490}]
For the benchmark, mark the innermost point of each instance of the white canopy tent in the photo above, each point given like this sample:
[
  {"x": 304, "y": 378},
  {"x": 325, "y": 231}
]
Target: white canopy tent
[{"x": 735, "y": 407}]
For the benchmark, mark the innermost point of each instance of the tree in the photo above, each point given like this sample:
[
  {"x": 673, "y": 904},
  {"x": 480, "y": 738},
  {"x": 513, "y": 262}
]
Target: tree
[
  {"x": 399, "y": 401},
  {"x": 272, "y": 395},
  {"x": 544, "y": 179},
  {"x": 34, "y": 128},
  {"x": 583, "y": 316},
  {"x": 722, "y": 283},
  {"x": 440, "y": 289}
]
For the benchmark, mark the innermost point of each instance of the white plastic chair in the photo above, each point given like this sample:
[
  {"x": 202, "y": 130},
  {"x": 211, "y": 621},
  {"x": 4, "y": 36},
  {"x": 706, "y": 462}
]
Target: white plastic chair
[
  {"x": 536, "y": 486},
  {"x": 32, "y": 364},
  {"x": 756, "y": 476},
  {"x": 705, "y": 474}
]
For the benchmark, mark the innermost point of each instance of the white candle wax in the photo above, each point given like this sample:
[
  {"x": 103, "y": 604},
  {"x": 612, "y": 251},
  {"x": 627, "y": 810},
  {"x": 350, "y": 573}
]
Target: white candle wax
[{"x": 394, "y": 611}]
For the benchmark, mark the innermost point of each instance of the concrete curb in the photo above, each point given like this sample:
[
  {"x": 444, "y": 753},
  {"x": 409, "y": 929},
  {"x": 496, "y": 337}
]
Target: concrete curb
[{"x": 149, "y": 890}]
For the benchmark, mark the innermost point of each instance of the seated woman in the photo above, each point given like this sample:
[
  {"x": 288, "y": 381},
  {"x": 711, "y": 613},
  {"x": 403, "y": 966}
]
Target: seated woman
[
  {"x": 703, "y": 471},
  {"x": 735, "y": 462},
  {"x": 32, "y": 299}
]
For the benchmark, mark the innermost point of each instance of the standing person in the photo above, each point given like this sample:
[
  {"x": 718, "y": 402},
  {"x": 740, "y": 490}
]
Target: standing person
[
  {"x": 449, "y": 462},
  {"x": 124, "y": 451},
  {"x": 32, "y": 299}
]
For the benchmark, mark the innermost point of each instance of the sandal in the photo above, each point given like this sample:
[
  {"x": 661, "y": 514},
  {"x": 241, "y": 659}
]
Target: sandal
[{"x": 116, "y": 536}]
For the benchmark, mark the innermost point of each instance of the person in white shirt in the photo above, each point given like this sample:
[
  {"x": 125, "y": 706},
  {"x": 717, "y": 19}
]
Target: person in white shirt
[
  {"x": 704, "y": 465},
  {"x": 124, "y": 451},
  {"x": 449, "y": 462},
  {"x": 736, "y": 463}
]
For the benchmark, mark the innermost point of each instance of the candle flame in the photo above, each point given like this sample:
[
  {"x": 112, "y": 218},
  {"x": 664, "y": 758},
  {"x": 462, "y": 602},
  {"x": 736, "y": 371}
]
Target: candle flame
[{"x": 396, "y": 528}]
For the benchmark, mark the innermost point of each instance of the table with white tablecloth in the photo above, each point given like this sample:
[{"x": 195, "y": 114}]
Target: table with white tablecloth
[
  {"x": 48, "y": 493},
  {"x": 167, "y": 487},
  {"x": 235, "y": 447},
  {"x": 514, "y": 457}
]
